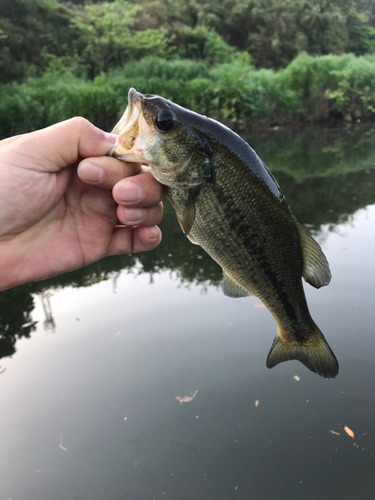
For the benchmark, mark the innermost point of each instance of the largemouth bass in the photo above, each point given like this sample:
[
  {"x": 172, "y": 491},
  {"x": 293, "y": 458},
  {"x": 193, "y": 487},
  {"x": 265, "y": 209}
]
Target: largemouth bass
[{"x": 227, "y": 201}]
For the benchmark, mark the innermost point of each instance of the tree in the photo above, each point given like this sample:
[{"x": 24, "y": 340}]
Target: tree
[
  {"x": 106, "y": 37},
  {"x": 26, "y": 27}
]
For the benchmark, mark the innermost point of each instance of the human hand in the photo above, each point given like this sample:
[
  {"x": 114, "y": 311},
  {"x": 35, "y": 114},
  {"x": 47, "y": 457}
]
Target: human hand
[{"x": 56, "y": 218}]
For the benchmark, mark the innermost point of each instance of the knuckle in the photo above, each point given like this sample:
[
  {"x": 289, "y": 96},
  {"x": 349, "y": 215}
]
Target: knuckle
[{"x": 80, "y": 123}]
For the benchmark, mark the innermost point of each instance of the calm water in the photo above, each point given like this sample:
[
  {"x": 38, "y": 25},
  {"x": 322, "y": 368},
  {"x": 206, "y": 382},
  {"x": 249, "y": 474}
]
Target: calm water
[{"x": 93, "y": 361}]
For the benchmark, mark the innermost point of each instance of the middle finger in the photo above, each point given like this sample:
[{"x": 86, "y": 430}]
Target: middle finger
[{"x": 141, "y": 190}]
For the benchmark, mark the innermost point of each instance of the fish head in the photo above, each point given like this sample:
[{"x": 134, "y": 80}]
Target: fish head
[{"x": 157, "y": 132}]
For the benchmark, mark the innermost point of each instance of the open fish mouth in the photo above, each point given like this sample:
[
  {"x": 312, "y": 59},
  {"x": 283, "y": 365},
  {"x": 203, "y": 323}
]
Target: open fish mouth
[
  {"x": 132, "y": 131},
  {"x": 136, "y": 137}
]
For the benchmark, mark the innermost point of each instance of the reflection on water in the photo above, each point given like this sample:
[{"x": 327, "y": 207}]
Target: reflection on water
[
  {"x": 89, "y": 406},
  {"x": 16, "y": 306},
  {"x": 326, "y": 175}
]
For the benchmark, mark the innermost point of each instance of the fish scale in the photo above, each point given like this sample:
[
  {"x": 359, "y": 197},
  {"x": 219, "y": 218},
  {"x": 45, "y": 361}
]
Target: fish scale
[{"x": 228, "y": 202}]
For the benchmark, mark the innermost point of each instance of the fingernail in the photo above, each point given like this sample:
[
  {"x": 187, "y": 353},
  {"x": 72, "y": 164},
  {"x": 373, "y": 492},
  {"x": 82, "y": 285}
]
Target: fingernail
[
  {"x": 89, "y": 172},
  {"x": 154, "y": 233},
  {"x": 134, "y": 216},
  {"x": 110, "y": 137},
  {"x": 130, "y": 191}
]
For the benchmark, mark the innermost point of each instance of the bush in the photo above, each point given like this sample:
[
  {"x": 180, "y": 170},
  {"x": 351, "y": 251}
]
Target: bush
[
  {"x": 203, "y": 44},
  {"x": 39, "y": 102},
  {"x": 309, "y": 88}
]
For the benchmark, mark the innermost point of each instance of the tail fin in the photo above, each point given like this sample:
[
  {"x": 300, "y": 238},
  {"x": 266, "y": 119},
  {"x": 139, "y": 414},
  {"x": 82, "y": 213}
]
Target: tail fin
[{"x": 314, "y": 352}]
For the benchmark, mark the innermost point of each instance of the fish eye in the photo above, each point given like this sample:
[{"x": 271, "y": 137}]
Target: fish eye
[{"x": 164, "y": 121}]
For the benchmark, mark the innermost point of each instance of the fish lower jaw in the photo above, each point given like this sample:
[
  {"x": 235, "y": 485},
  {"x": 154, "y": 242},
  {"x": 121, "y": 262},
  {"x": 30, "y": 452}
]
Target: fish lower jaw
[{"x": 134, "y": 155}]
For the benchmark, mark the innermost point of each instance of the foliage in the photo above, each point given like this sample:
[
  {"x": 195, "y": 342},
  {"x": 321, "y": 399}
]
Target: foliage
[
  {"x": 26, "y": 26},
  {"x": 92, "y": 36},
  {"x": 275, "y": 31},
  {"x": 105, "y": 38},
  {"x": 202, "y": 44},
  {"x": 361, "y": 27},
  {"x": 272, "y": 31},
  {"x": 39, "y": 102},
  {"x": 343, "y": 84},
  {"x": 309, "y": 88}
]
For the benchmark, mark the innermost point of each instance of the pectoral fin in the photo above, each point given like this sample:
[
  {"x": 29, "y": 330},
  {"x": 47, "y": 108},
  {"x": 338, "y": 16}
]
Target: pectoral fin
[
  {"x": 189, "y": 236},
  {"x": 188, "y": 217},
  {"x": 192, "y": 240},
  {"x": 315, "y": 265},
  {"x": 232, "y": 289}
]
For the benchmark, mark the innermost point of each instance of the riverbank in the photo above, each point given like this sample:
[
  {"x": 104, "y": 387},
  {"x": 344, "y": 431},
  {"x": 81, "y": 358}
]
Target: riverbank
[{"x": 309, "y": 89}]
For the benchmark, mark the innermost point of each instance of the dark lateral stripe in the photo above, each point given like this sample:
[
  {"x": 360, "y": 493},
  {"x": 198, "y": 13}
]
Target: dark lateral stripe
[{"x": 249, "y": 238}]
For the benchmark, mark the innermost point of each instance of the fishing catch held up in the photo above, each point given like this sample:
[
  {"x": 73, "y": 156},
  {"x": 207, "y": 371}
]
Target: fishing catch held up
[{"x": 227, "y": 201}]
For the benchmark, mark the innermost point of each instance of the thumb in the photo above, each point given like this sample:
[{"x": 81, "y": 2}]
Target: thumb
[{"x": 67, "y": 142}]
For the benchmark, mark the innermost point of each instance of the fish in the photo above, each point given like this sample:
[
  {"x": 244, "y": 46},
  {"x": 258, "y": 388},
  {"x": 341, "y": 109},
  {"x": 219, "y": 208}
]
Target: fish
[{"x": 227, "y": 201}]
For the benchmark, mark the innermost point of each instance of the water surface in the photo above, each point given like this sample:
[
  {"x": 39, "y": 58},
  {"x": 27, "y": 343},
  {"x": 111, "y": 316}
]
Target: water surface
[{"x": 93, "y": 361}]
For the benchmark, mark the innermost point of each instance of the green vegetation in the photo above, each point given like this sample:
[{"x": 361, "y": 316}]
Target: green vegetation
[
  {"x": 95, "y": 35},
  {"x": 309, "y": 88},
  {"x": 242, "y": 61}
]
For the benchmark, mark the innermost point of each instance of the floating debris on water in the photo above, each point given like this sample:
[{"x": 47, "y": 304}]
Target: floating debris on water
[
  {"x": 349, "y": 432},
  {"x": 186, "y": 399},
  {"x": 61, "y": 446}
]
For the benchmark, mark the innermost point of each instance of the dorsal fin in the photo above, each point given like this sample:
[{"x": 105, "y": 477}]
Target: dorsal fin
[
  {"x": 232, "y": 289},
  {"x": 315, "y": 265}
]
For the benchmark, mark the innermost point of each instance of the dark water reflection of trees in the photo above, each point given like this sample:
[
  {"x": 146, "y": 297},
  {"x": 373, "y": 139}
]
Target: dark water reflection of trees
[{"x": 326, "y": 176}]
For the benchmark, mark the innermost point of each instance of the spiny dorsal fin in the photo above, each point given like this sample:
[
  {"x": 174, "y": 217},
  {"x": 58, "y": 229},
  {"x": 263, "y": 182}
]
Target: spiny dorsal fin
[
  {"x": 315, "y": 265},
  {"x": 232, "y": 289}
]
